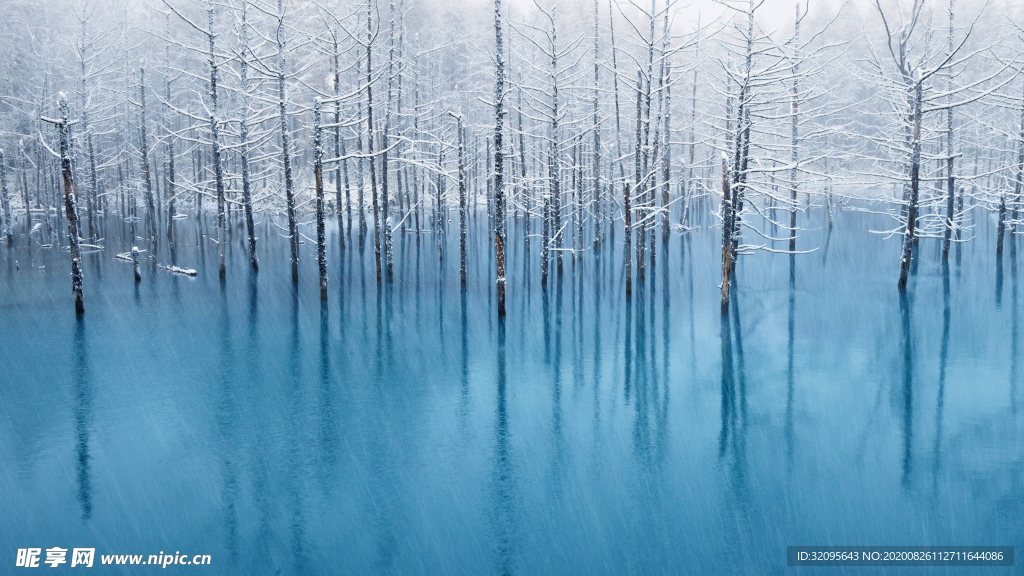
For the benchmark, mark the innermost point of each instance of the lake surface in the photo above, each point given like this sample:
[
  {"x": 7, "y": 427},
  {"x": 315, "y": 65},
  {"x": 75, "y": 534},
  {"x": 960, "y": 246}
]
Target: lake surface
[{"x": 400, "y": 429}]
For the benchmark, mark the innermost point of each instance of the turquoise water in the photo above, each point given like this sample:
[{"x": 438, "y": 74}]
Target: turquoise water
[{"x": 401, "y": 429}]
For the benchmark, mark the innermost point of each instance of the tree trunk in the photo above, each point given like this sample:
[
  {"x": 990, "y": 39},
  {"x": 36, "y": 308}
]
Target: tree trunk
[
  {"x": 369, "y": 138},
  {"x": 499, "y": 158},
  {"x": 24, "y": 191},
  {"x": 5, "y": 202},
  {"x": 318, "y": 157},
  {"x": 244, "y": 151},
  {"x": 950, "y": 182},
  {"x": 147, "y": 180},
  {"x": 628, "y": 240},
  {"x": 462, "y": 204},
  {"x": 339, "y": 149},
  {"x": 794, "y": 141},
  {"x": 727, "y": 228},
  {"x": 70, "y": 206},
  {"x": 360, "y": 162},
  {"x": 915, "y": 167},
  {"x": 293, "y": 229},
  {"x": 638, "y": 177}
]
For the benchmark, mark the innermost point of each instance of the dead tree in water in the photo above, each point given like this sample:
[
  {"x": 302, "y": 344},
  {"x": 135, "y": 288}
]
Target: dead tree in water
[
  {"x": 462, "y": 201},
  {"x": 70, "y": 200},
  {"x": 499, "y": 158},
  {"x": 794, "y": 142},
  {"x": 219, "y": 176},
  {"x": 1019, "y": 184},
  {"x": 728, "y": 217},
  {"x": 293, "y": 229},
  {"x": 441, "y": 209},
  {"x": 243, "y": 156},
  {"x": 169, "y": 182},
  {"x": 318, "y": 158},
  {"x": 147, "y": 179},
  {"x": 339, "y": 148},
  {"x": 369, "y": 135},
  {"x": 915, "y": 170},
  {"x": 385, "y": 167},
  {"x": 629, "y": 257},
  {"x": 6, "y": 202},
  {"x": 24, "y": 190},
  {"x": 950, "y": 179},
  {"x": 1001, "y": 224},
  {"x": 599, "y": 207}
]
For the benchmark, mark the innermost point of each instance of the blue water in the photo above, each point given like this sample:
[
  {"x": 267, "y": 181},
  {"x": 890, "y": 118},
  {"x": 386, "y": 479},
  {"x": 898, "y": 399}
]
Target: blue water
[{"x": 400, "y": 429}]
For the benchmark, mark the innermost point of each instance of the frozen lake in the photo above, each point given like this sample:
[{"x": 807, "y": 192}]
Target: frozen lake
[{"x": 399, "y": 429}]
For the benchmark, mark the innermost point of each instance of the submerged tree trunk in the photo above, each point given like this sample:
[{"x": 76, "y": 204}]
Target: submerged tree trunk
[
  {"x": 1001, "y": 225},
  {"x": 439, "y": 203},
  {"x": 499, "y": 159},
  {"x": 24, "y": 191},
  {"x": 638, "y": 176},
  {"x": 339, "y": 150},
  {"x": 147, "y": 180},
  {"x": 628, "y": 239},
  {"x": 1019, "y": 184},
  {"x": 70, "y": 204},
  {"x": 915, "y": 168},
  {"x": 169, "y": 173},
  {"x": 369, "y": 137},
  {"x": 599, "y": 208},
  {"x": 727, "y": 230},
  {"x": 950, "y": 183},
  {"x": 5, "y": 202},
  {"x": 219, "y": 181},
  {"x": 794, "y": 140},
  {"x": 244, "y": 152},
  {"x": 666, "y": 160},
  {"x": 318, "y": 157},
  {"x": 545, "y": 252},
  {"x": 384, "y": 137},
  {"x": 462, "y": 203},
  {"x": 293, "y": 229},
  {"x": 359, "y": 153}
]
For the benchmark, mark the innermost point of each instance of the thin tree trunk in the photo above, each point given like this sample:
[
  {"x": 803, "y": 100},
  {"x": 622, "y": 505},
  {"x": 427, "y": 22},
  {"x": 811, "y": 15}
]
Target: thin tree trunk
[
  {"x": 628, "y": 239},
  {"x": 293, "y": 229},
  {"x": 147, "y": 180},
  {"x": 794, "y": 141},
  {"x": 369, "y": 138},
  {"x": 950, "y": 182},
  {"x": 244, "y": 135},
  {"x": 24, "y": 190},
  {"x": 599, "y": 211},
  {"x": 339, "y": 150},
  {"x": 499, "y": 158},
  {"x": 727, "y": 228},
  {"x": 462, "y": 204},
  {"x": 318, "y": 157},
  {"x": 6, "y": 201}
]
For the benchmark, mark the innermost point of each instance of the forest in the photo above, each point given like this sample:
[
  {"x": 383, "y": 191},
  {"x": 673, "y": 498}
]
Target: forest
[{"x": 565, "y": 127}]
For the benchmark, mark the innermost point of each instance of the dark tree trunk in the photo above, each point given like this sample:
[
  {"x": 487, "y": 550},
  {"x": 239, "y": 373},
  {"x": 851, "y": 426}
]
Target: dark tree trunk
[
  {"x": 318, "y": 157},
  {"x": 70, "y": 204},
  {"x": 499, "y": 158},
  {"x": 5, "y": 202},
  {"x": 462, "y": 203},
  {"x": 915, "y": 168},
  {"x": 727, "y": 229},
  {"x": 628, "y": 247}
]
